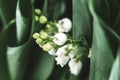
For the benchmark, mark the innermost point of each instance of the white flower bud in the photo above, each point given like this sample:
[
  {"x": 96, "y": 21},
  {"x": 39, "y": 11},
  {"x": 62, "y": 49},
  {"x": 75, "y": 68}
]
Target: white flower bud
[
  {"x": 62, "y": 50},
  {"x": 36, "y": 18},
  {"x": 43, "y": 19},
  {"x": 60, "y": 39},
  {"x": 38, "y": 11},
  {"x": 62, "y": 60},
  {"x": 43, "y": 35},
  {"x": 39, "y": 40},
  {"x": 48, "y": 26},
  {"x": 64, "y": 25},
  {"x": 75, "y": 67},
  {"x": 36, "y": 35},
  {"x": 52, "y": 51},
  {"x": 47, "y": 47}
]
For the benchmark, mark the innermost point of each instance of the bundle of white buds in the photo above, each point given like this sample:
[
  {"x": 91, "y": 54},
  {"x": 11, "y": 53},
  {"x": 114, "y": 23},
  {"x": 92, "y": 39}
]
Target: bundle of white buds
[{"x": 55, "y": 39}]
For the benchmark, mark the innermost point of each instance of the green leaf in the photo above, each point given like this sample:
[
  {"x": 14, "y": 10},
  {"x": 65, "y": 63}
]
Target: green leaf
[
  {"x": 44, "y": 67},
  {"x": 7, "y": 38},
  {"x": 45, "y": 6},
  {"x": 55, "y": 9},
  {"x": 59, "y": 9},
  {"x": 115, "y": 72},
  {"x": 23, "y": 20},
  {"x": 104, "y": 47},
  {"x": 109, "y": 12},
  {"x": 18, "y": 57},
  {"x": 7, "y": 10},
  {"x": 30, "y": 63},
  {"x": 82, "y": 26},
  {"x": 81, "y": 20},
  {"x": 4, "y": 73}
]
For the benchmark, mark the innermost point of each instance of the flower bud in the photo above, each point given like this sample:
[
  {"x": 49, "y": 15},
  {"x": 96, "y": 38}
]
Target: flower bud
[
  {"x": 64, "y": 25},
  {"x": 43, "y": 19},
  {"x": 74, "y": 66},
  {"x": 36, "y": 35},
  {"x": 47, "y": 47},
  {"x": 43, "y": 35},
  {"x": 36, "y": 18},
  {"x": 48, "y": 26},
  {"x": 62, "y": 60},
  {"x": 38, "y": 11},
  {"x": 39, "y": 40},
  {"x": 60, "y": 39}
]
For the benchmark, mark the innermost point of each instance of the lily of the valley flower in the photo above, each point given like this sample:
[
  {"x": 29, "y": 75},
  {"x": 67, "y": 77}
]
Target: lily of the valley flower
[
  {"x": 74, "y": 66},
  {"x": 62, "y": 50},
  {"x": 65, "y": 51},
  {"x": 60, "y": 39},
  {"x": 73, "y": 51},
  {"x": 62, "y": 60},
  {"x": 64, "y": 25},
  {"x": 52, "y": 51}
]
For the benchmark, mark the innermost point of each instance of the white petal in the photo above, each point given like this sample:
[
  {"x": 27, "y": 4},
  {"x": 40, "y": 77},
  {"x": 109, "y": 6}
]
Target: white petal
[
  {"x": 73, "y": 53},
  {"x": 75, "y": 67},
  {"x": 59, "y": 28},
  {"x": 62, "y": 60},
  {"x": 62, "y": 50},
  {"x": 52, "y": 51},
  {"x": 60, "y": 39},
  {"x": 64, "y": 25}
]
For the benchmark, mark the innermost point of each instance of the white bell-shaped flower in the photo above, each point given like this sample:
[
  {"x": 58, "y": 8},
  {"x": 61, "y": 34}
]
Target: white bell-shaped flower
[
  {"x": 62, "y": 50},
  {"x": 73, "y": 53},
  {"x": 75, "y": 67},
  {"x": 52, "y": 51},
  {"x": 64, "y": 25},
  {"x": 62, "y": 60},
  {"x": 60, "y": 39}
]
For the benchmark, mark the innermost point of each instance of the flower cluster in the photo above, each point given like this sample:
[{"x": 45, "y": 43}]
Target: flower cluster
[{"x": 55, "y": 39}]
